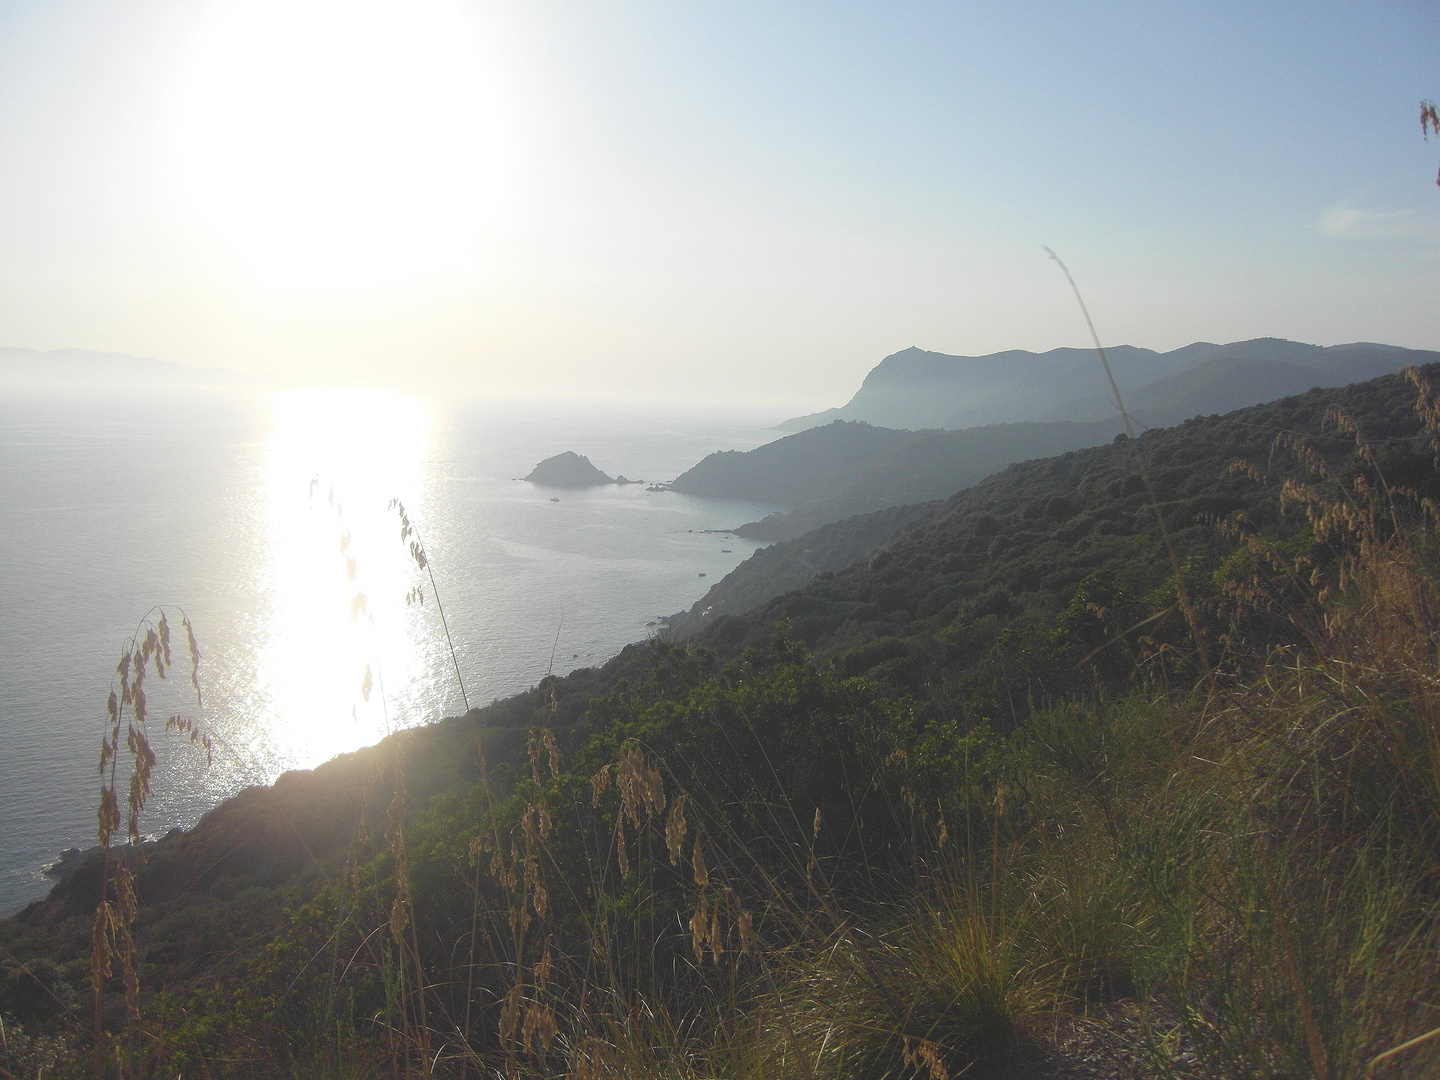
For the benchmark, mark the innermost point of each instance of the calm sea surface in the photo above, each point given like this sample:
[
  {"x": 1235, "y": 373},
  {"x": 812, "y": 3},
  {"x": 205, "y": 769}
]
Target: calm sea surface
[{"x": 206, "y": 505}]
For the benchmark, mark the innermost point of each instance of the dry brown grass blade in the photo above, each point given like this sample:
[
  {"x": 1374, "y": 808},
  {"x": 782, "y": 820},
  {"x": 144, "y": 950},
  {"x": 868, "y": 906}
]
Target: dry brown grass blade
[{"x": 1430, "y": 121}]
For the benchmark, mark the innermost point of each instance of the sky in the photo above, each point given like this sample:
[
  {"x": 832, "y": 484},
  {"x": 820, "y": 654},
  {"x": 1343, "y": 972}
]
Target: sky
[{"x": 730, "y": 202}]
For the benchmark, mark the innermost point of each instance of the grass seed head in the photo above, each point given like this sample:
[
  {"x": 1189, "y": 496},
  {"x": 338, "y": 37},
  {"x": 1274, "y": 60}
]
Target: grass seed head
[
  {"x": 675, "y": 827},
  {"x": 697, "y": 862},
  {"x": 599, "y": 783}
]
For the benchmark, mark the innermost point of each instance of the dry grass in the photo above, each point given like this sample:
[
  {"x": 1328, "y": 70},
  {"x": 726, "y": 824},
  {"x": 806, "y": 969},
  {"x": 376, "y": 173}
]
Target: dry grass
[{"x": 112, "y": 949}]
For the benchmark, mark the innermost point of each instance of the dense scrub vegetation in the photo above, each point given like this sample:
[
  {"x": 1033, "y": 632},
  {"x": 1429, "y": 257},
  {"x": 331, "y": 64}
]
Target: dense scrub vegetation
[
  {"x": 982, "y": 805},
  {"x": 783, "y": 567}
]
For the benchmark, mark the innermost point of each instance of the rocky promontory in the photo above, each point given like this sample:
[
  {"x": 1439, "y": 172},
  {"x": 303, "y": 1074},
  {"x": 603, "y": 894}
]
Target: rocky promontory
[{"x": 572, "y": 470}]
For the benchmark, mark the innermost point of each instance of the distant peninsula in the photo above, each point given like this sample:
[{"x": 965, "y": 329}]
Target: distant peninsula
[
  {"x": 84, "y": 369},
  {"x": 572, "y": 470}
]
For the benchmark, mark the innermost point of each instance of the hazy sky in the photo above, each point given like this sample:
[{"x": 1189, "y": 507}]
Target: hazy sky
[{"x": 725, "y": 200}]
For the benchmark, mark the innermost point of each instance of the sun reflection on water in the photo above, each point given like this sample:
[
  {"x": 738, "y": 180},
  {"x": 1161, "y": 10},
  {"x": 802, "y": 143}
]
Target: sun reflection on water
[{"x": 345, "y": 660}]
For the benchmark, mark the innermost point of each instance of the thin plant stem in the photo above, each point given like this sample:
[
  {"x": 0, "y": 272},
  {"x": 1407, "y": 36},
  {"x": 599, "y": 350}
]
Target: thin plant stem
[
  {"x": 1182, "y": 592},
  {"x": 418, "y": 551},
  {"x": 444, "y": 623},
  {"x": 553, "y": 646}
]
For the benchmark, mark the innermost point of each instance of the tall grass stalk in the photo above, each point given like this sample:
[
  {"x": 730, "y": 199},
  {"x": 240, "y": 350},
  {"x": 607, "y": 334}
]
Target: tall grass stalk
[
  {"x": 410, "y": 535},
  {"x": 128, "y": 707},
  {"x": 1182, "y": 590}
]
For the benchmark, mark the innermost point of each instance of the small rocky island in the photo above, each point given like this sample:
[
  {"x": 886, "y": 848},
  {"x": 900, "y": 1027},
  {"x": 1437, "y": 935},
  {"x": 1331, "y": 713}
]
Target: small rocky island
[{"x": 572, "y": 470}]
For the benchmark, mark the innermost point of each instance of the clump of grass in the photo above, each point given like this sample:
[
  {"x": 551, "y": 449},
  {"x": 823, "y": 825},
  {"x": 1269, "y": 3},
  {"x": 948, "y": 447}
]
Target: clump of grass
[{"x": 956, "y": 981}]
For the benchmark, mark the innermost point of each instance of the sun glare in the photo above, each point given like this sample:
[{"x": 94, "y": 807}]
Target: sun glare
[
  {"x": 340, "y": 145},
  {"x": 345, "y": 658}
]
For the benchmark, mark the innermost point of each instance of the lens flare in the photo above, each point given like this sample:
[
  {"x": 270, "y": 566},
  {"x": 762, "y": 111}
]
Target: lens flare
[{"x": 340, "y": 146}]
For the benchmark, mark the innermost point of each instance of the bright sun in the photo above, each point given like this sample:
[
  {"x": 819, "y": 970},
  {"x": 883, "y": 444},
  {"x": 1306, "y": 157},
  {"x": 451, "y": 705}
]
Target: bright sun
[{"x": 340, "y": 144}]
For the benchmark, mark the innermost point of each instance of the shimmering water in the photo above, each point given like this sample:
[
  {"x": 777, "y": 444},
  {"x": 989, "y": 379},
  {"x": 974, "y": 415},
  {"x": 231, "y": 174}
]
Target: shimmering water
[{"x": 109, "y": 506}]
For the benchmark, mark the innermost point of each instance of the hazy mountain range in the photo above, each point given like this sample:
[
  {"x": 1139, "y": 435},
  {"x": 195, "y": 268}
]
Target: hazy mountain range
[
  {"x": 924, "y": 425},
  {"x": 83, "y": 369},
  {"x": 916, "y": 389}
]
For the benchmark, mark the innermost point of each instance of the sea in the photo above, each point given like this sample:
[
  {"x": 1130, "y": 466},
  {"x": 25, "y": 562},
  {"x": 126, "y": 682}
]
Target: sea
[{"x": 272, "y": 523}]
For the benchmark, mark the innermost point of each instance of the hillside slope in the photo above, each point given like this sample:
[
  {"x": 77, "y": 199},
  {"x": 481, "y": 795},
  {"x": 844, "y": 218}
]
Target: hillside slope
[
  {"x": 1013, "y": 549},
  {"x": 847, "y": 468},
  {"x": 1084, "y": 507},
  {"x": 792, "y": 564}
]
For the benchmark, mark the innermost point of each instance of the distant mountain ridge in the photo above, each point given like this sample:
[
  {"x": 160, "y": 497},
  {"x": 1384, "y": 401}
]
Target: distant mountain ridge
[
  {"x": 68, "y": 369},
  {"x": 916, "y": 389}
]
